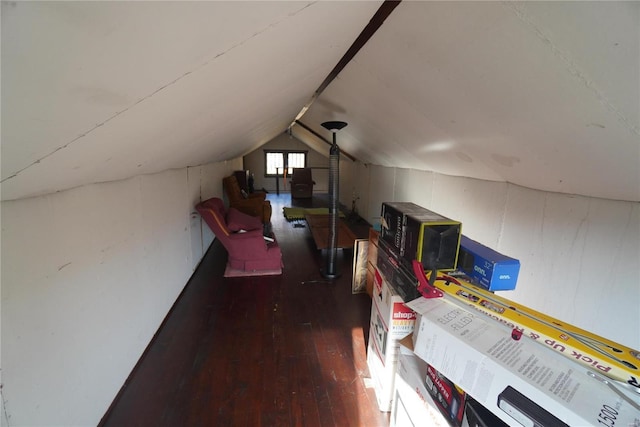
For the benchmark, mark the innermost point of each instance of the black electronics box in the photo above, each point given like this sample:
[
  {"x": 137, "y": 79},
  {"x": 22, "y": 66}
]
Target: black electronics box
[
  {"x": 402, "y": 280},
  {"x": 416, "y": 233}
]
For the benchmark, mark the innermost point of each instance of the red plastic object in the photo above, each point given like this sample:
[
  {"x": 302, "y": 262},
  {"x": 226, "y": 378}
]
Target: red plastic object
[
  {"x": 516, "y": 334},
  {"x": 424, "y": 287}
]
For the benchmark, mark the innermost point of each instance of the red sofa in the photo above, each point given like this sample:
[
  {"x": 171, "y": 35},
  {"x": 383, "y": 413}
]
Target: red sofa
[{"x": 242, "y": 237}]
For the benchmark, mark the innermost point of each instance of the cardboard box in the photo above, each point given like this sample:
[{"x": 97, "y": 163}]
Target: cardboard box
[
  {"x": 449, "y": 398},
  {"x": 398, "y": 318},
  {"x": 409, "y": 409},
  {"x": 434, "y": 244},
  {"x": 518, "y": 380},
  {"x": 412, "y": 405},
  {"x": 476, "y": 415},
  {"x": 391, "y": 321},
  {"x": 487, "y": 267},
  {"x": 393, "y": 222},
  {"x": 382, "y": 373},
  {"x": 373, "y": 246},
  {"x": 414, "y": 232},
  {"x": 433, "y": 389},
  {"x": 607, "y": 357},
  {"x": 414, "y": 402},
  {"x": 370, "y": 278},
  {"x": 403, "y": 281}
]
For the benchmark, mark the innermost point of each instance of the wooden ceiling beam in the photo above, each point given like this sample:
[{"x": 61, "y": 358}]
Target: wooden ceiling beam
[{"x": 374, "y": 24}]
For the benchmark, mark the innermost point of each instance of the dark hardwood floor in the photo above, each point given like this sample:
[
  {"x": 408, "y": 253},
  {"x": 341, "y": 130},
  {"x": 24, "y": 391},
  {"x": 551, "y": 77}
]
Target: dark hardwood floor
[{"x": 285, "y": 350}]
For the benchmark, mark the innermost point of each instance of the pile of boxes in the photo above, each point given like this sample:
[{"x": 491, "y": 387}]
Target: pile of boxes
[
  {"x": 414, "y": 232},
  {"x": 423, "y": 396},
  {"x": 424, "y": 361},
  {"x": 517, "y": 379},
  {"x": 391, "y": 320},
  {"x": 405, "y": 384}
]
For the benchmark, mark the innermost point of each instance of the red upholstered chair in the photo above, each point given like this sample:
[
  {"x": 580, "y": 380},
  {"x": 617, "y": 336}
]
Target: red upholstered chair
[
  {"x": 301, "y": 183},
  {"x": 248, "y": 250}
]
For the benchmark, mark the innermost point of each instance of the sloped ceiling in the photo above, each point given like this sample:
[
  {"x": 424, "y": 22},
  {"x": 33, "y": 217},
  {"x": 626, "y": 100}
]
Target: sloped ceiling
[
  {"x": 540, "y": 94},
  {"x": 99, "y": 91}
]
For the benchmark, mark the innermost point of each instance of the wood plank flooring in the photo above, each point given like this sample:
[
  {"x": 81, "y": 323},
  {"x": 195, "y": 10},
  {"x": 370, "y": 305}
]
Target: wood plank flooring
[{"x": 285, "y": 350}]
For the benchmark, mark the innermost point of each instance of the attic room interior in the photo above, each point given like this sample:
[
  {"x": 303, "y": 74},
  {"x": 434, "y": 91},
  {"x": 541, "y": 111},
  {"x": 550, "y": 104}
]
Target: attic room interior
[{"x": 519, "y": 120}]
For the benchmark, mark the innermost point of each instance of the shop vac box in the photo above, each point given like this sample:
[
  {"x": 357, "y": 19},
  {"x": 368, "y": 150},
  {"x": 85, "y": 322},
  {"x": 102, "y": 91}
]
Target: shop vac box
[
  {"x": 486, "y": 267},
  {"x": 391, "y": 320},
  {"x": 516, "y": 378},
  {"x": 418, "y": 233}
]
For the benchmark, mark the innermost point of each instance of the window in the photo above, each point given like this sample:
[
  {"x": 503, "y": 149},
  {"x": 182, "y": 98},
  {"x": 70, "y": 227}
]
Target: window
[{"x": 276, "y": 161}]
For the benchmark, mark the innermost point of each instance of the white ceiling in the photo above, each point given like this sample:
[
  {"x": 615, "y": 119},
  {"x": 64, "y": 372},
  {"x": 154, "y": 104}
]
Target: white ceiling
[{"x": 540, "y": 94}]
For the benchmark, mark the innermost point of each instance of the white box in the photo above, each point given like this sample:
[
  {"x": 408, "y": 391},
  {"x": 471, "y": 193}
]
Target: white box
[
  {"x": 409, "y": 410},
  {"x": 412, "y": 404},
  {"x": 382, "y": 374},
  {"x": 411, "y": 378},
  {"x": 518, "y": 380},
  {"x": 391, "y": 321},
  {"x": 399, "y": 318}
]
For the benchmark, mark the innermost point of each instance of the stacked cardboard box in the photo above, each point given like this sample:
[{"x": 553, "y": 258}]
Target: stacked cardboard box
[
  {"x": 412, "y": 403},
  {"x": 486, "y": 267},
  {"x": 520, "y": 381},
  {"x": 403, "y": 281},
  {"x": 430, "y": 393},
  {"x": 607, "y": 357},
  {"x": 418, "y": 233},
  {"x": 391, "y": 321},
  {"x": 519, "y": 365},
  {"x": 423, "y": 396}
]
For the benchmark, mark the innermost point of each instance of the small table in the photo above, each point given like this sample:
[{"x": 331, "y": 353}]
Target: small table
[{"x": 319, "y": 226}]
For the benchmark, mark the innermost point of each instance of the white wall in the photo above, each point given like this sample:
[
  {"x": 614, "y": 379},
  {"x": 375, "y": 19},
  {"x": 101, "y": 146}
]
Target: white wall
[
  {"x": 354, "y": 184},
  {"x": 254, "y": 162},
  {"x": 579, "y": 256},
  {"x": 88, "y": 275}
]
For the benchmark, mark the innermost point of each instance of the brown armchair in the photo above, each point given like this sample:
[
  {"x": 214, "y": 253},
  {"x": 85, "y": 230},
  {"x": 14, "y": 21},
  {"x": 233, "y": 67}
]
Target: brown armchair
[
  {"x": 253, "y": 204},
  {"x": 301, "y": 183}
]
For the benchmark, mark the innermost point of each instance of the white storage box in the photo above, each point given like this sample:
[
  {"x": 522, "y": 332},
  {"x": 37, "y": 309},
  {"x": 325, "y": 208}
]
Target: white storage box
[
  {"x": 391, "y": 321},
  {"x": 521, "y": 381}
]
